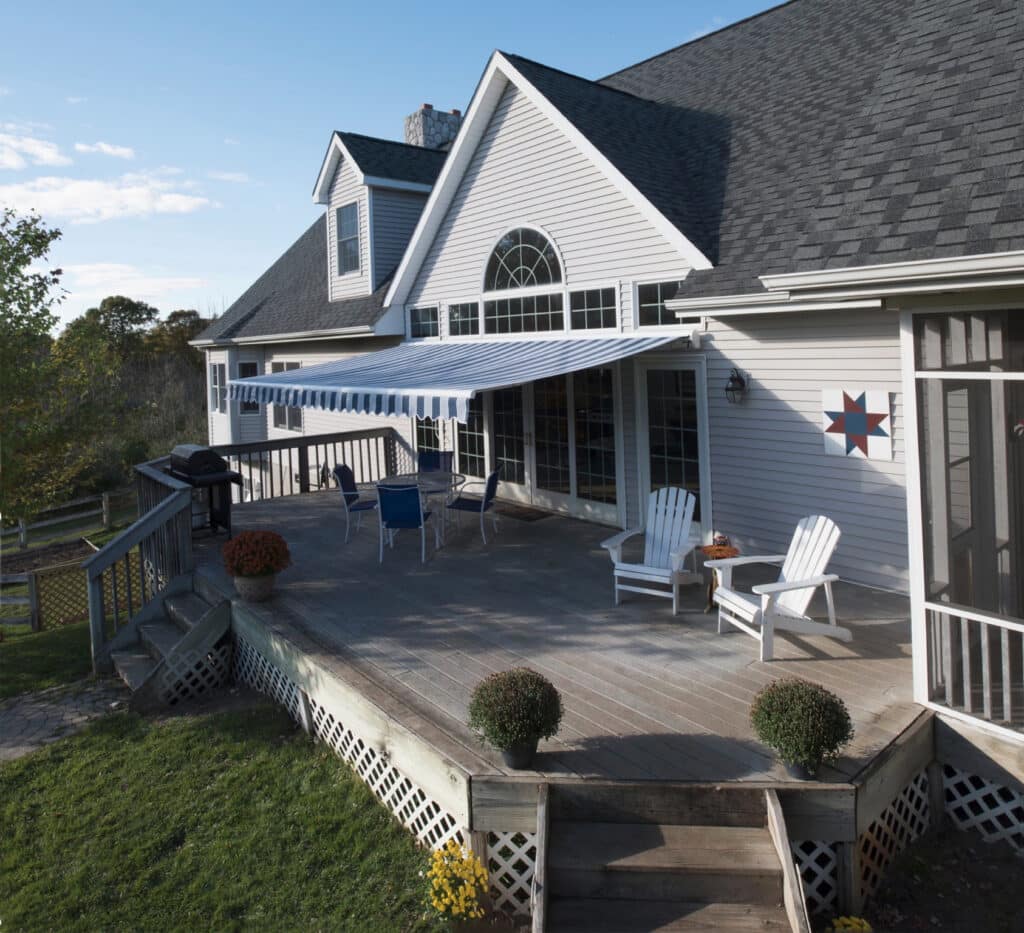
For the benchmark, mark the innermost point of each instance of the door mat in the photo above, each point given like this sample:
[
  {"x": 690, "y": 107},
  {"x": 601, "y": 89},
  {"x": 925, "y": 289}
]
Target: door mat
[{"x": 519, "y": 512}]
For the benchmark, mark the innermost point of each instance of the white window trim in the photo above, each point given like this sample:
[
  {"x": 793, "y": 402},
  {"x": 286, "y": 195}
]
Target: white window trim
[
  {"x": 677, "y": 327},
  {"x": 408, "y": 321},
  {"x": 446, "y": 331},
  {"x": 616, "y": 287},
  {"x": 218, "y": 388},
  {"x": 358, "y": 271},
  {"x": 302, "y": 420},
  {"x": 258, "y": 410}
]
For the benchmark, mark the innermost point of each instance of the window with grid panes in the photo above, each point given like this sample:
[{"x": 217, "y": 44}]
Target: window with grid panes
[
  {"x": 551, "y": 429},
  {"x": 218, "y": 388},
  {"x": 347, "y": 219},
  {"x": 651, "y": 302},
  {"x": 594, "y": 406},
  {"x": 423, "y": 322},
  {"x": 528, "y": 314},
  {"x": 470, "y": 437},
  {"x": 592, "y": 309},
  {"x": 673, "y": 431},
  {"x": 288, "y": 417},
  {"x": 464, "y": 319},
  {"x": 509, "y": 451},
  {"x": 428, "y": 434}
]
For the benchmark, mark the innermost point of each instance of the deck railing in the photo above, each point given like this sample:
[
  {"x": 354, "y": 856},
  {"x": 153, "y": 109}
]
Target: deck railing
[
  {"x": 976, "y": 663},
  {"x": 287, "y": 466},
  {"x": 139, "y": 563},
  {"x": 136, "y": 565}
]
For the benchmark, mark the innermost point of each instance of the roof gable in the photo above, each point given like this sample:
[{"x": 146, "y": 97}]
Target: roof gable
[
  {"x": 380, "y": 162},
  {"x": 501, "y": 71}
]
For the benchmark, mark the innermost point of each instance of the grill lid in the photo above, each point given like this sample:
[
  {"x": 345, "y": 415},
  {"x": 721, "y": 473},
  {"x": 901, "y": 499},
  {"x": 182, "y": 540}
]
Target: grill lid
[{"x": 196, "y": 460}]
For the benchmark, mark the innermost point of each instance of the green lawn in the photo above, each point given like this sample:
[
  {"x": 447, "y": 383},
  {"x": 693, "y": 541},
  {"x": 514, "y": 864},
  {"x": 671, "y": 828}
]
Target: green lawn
[
  {"x": 224, "y": 821},
  {"x": 37, "y": 660}
]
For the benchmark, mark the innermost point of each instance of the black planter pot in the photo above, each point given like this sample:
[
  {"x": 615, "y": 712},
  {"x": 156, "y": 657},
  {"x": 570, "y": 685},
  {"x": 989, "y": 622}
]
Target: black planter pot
[
  {"x": 800, "y": 772},
  {"x": 520, "y": 755}
]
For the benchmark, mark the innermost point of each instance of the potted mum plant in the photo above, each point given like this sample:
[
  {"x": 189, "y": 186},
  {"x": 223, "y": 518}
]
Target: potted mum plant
[
  {"x": 254, "y": 558},
  {"x": 806, "y": 724},
  {"x": 513, "y": 710}
]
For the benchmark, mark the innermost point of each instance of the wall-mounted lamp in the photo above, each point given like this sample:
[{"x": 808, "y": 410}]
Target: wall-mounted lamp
[{"x": 735, "y": 388}]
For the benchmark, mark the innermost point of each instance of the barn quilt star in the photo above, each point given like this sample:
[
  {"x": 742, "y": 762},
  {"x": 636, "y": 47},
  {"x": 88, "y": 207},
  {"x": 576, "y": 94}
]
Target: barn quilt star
[{"x": 857, "y": 423}]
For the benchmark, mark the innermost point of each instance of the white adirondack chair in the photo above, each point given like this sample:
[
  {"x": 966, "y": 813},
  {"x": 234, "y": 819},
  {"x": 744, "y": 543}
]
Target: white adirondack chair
[
  {"x": 666, "y": 544},
  {"x": 782, "y": 606}
]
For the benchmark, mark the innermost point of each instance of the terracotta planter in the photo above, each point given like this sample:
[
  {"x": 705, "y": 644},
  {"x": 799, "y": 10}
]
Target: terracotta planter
[
  {"x": 255, "y": 589},
  {"x": 520, "y": 755}
]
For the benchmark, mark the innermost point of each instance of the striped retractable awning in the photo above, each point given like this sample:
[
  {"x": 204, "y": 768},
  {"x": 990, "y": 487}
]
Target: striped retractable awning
[{"x": 433, "y": 380}]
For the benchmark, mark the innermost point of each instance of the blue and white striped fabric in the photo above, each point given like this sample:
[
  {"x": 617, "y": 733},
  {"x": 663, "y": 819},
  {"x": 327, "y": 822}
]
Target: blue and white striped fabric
[{"x": 433, "y": 380}]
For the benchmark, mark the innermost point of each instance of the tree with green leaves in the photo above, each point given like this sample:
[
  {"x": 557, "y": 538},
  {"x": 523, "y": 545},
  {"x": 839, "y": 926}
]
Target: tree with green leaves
[{"x": 28, "y": 297}]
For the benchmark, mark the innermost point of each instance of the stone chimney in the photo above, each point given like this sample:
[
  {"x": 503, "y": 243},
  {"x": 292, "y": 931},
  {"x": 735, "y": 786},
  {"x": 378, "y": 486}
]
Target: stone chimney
[{"x": 432, "y": 128}]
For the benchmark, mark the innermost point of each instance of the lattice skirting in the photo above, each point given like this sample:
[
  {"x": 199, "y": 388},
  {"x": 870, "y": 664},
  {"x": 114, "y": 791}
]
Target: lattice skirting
[
  {"x": 186, "y": 676},
  {"x": 973, "y": 802},
  {"x": 420, "y": 814},
  {"x": 818, "y": 865},
  {"x": 511, "y": 859},
  {"x": 899, "y": 824}
]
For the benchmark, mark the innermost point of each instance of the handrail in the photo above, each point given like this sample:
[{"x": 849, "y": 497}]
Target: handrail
[
  {"x": 974, "y": 615},
  {"x": 302, "y": 440},
  {"x": 135, "y": 533}
]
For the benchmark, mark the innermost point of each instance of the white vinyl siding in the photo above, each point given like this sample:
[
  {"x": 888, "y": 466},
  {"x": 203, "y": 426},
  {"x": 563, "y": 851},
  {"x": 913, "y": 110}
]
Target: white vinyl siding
[
  {"x": 768, "y": 462},
  {"x": 218, "y": 422},
  {"x": 345, "y": 190},
  {"x": 525, "y": 172},
  {"x": 395, "y": 214},
  {"x": 251, "y": 427}
]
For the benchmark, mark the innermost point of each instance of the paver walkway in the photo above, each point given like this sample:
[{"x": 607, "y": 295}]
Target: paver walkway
[{"x": 33, "y": 720}]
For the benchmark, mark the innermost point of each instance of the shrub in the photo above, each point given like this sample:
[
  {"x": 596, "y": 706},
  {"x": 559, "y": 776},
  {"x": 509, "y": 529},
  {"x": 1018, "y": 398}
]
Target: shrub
[
  {"x": 515, "y": 706},
  {"x": 804, "y": 723},
  {"x": 256, "y": 554}
]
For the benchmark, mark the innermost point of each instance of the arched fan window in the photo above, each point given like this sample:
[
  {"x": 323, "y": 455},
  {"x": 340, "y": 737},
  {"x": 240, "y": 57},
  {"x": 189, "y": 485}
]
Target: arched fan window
[{"x": 523, "y": 258}]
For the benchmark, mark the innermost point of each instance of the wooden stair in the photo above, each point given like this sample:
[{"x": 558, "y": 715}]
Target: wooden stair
[
  {"x": 182, "y": 624},
  {"x": 633, "y": 858}
]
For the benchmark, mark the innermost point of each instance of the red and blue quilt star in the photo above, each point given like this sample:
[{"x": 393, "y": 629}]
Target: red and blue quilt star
[{"x": 857, "y": 423}]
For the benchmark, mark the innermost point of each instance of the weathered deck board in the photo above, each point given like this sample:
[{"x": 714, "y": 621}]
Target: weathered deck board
[{"x": 647, "y": 696}]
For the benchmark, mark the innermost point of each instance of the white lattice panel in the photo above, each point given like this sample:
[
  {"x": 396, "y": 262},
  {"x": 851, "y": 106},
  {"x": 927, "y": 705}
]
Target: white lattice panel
[
  {"x": 425, "y": 818},
  {"x": 511, "y": 858},
  {"x": 193, "y": 674},
  {"x": 253, "y": 669},
  {"x": 975, "y": 803},
  {"x": 818, "y": 866},
  {"x": 899, "y": 824}
]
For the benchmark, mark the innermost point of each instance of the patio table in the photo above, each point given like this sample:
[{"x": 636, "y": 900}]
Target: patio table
[{"x": 431, "y": 484}]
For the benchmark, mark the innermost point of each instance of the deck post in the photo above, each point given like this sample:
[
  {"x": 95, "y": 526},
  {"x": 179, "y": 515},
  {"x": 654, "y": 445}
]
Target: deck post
[
  {"x": 305, "y": 713},
  {"x": 304, "y": 468},
  {"x": 848, "y": 872},
  {"x": 936, "y": 794}
]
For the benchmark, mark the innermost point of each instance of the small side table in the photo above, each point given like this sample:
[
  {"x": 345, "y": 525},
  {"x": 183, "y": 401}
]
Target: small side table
[{"x": 716, "y": 552}]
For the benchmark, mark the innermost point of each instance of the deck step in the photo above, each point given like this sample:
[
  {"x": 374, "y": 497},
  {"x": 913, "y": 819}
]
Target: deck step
[
  {"x": 160, "y": 637},
  {"x": 186, "y": 609},
  {"x": 700, "y": 805},
  {"x": 728, "y": 864},
  {"x": 207, "y": 588},
  {"x": 582, "y": 915},
  {"x": 133, "y": 665}
]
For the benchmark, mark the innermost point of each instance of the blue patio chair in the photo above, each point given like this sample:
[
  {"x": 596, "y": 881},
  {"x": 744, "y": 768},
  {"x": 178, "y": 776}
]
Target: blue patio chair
[
  {"x": 401, "y": 507},
  {"x": 434, "y": 461},
  {"x": 346, "y": 481},
  {"x": 485, "y": 504}
]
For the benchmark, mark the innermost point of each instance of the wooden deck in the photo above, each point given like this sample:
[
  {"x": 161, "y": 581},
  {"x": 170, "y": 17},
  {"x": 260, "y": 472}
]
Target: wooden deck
[{"x": 647, "y": 696}]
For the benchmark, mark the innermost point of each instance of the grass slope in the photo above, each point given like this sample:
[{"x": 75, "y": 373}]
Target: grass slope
[
  {"x": 37, "y": 660},
  {"x": 225, "y": 821}
]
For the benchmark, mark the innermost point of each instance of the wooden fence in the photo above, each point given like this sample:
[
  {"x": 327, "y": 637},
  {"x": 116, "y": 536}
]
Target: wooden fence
[{"x": 102, "y": 506}]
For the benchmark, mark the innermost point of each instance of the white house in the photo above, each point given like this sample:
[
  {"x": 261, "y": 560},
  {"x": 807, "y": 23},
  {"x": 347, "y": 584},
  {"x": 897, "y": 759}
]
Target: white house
[{"x": 820, "y": 209}]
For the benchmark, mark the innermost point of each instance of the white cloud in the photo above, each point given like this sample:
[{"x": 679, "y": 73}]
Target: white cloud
[
  {"x": 231, "y": 141},
  {"x": 118, "y": 152},
  {"x": 76, "y": 100},
  {"x": 238, "y": 178},
  {"x": 89, "y": 283},
  {"x": 16, "y": 151},
  {"x": 5, "y": 91},
  {"x": 90, "y": 200}
]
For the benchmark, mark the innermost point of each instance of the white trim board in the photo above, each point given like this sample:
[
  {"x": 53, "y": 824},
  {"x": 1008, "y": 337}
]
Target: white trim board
[
  {"x": 336, "y": 151},
  {"x": 500, "y": 72}
]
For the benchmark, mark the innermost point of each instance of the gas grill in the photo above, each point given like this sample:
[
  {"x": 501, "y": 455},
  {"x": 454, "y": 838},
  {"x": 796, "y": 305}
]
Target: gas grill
[{"x": 203, "y": 468}]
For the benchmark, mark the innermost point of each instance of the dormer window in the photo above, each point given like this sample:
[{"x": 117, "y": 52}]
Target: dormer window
[{"x": 348, "y": 238}]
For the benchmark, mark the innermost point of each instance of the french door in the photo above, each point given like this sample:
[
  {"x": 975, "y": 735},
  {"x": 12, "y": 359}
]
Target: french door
[
  {"x": 556, "y": 442},
  {"x": 672, "y": 432}
]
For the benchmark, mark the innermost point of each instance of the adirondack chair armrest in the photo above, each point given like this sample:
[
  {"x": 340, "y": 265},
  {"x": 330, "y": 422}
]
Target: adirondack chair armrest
[
  {"x": 738, "y": 561},
  {"x": 773, "y": 589},
  {"x": 613, "y": 545},
  {"x": 678, "y": 558}
]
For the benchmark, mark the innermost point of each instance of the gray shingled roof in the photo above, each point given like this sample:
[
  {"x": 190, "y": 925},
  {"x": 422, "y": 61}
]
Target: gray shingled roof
[
  {"x": 291, "y": 297},
  {"x": 823, "y": 133},
  {"x": 384, "y": 158}
]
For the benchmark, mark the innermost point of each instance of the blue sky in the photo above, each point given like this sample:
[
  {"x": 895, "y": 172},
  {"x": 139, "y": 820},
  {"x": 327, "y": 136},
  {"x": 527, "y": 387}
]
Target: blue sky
[{"x": 176, "y": 145}]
